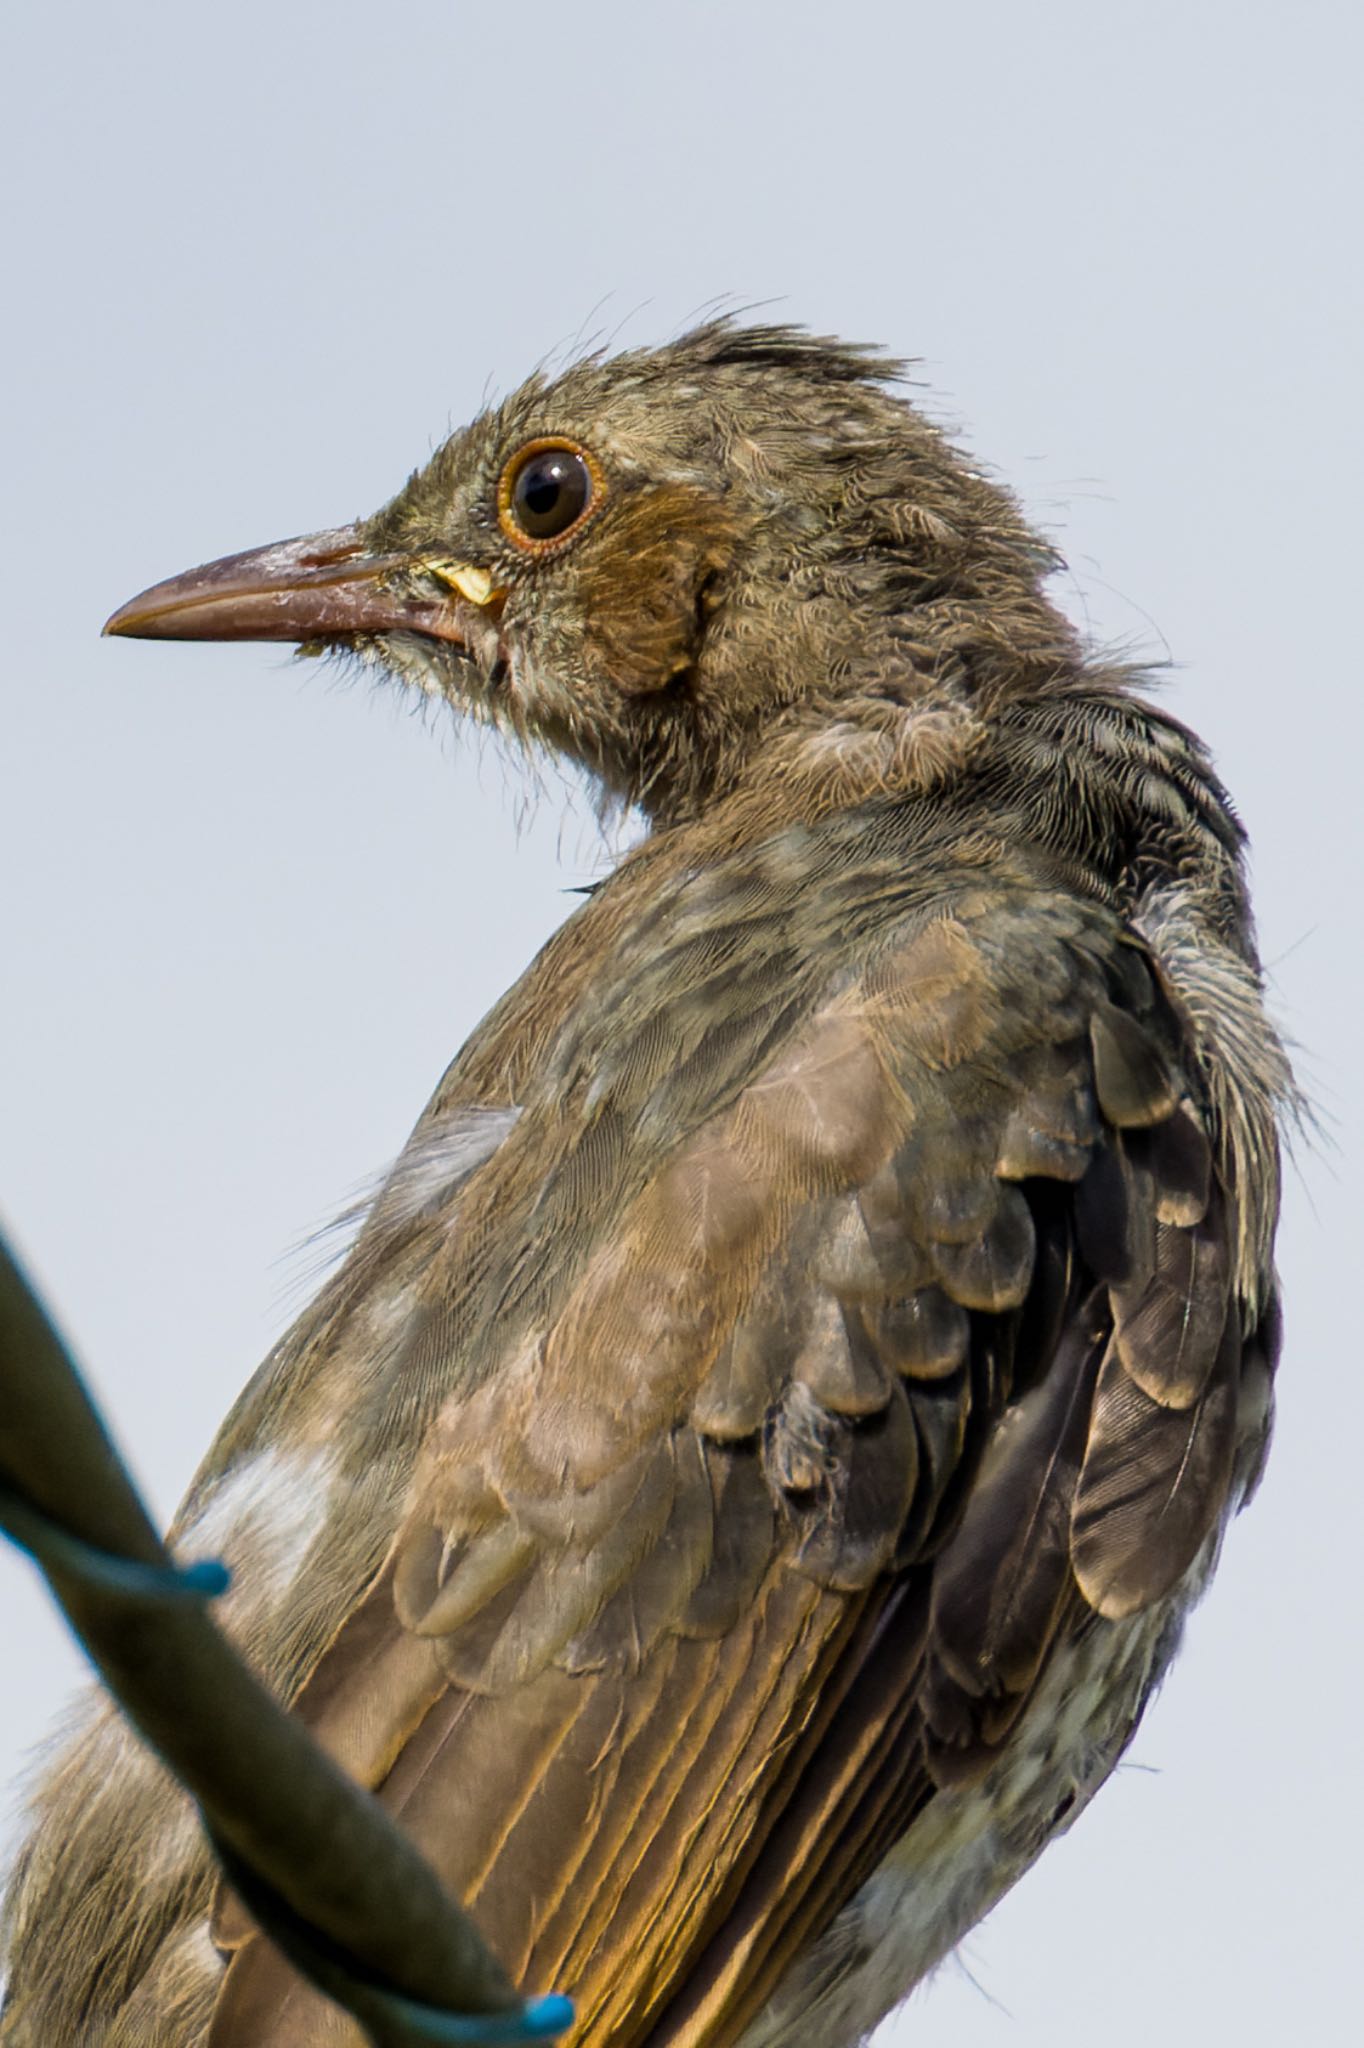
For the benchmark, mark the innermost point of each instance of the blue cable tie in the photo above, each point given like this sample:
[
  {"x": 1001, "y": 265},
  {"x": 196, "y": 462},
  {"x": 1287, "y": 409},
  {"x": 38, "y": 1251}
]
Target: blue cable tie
[
  {"x": 34, "y": 1531},
  {"x": 540, "y": 2019}
]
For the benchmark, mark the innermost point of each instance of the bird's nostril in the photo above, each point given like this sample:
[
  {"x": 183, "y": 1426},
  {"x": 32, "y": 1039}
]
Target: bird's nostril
[{"x": 323, "y": 558}]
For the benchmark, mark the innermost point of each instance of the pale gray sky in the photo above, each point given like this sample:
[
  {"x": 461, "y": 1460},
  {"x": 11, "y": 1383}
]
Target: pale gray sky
[{"x": 260, "y": 258}]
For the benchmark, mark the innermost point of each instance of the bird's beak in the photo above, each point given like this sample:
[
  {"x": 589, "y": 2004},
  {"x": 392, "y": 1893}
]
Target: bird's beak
[{"x": 324, "y": 586}]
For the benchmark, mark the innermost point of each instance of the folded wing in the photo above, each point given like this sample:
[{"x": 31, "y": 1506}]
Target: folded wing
[{"x": 921, "y": 1349}]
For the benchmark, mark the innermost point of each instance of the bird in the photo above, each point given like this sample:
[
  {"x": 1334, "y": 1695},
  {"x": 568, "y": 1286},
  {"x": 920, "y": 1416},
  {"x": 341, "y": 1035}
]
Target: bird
[{"x": 740, "y": 1489}]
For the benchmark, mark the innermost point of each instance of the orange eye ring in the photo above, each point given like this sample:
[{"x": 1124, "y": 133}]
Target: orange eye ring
[{"x": 534, "y": 492}]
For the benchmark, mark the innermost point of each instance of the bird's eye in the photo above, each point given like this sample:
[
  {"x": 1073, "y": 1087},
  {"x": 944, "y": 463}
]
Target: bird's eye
[{"x": 547, "y": 490}]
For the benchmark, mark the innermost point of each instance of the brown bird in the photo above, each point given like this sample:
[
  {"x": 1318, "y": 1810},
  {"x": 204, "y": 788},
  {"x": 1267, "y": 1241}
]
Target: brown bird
[{"x": 742, "y": 1486}]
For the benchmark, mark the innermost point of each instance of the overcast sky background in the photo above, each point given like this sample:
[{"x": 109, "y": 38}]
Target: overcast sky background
[{"x": 260, "y": 259}]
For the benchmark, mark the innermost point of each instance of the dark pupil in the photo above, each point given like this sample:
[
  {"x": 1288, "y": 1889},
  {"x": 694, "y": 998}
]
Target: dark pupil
[{"x": 550, "y": 492}]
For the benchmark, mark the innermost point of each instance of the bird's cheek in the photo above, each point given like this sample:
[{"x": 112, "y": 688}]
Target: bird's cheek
[
  {"x": 644, "y": 637},
  {"x": 651, "y": 587}
]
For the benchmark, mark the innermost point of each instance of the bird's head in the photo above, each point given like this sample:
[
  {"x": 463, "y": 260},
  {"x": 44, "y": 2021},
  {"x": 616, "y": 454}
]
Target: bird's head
[{"x": 672, "y": 564}]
